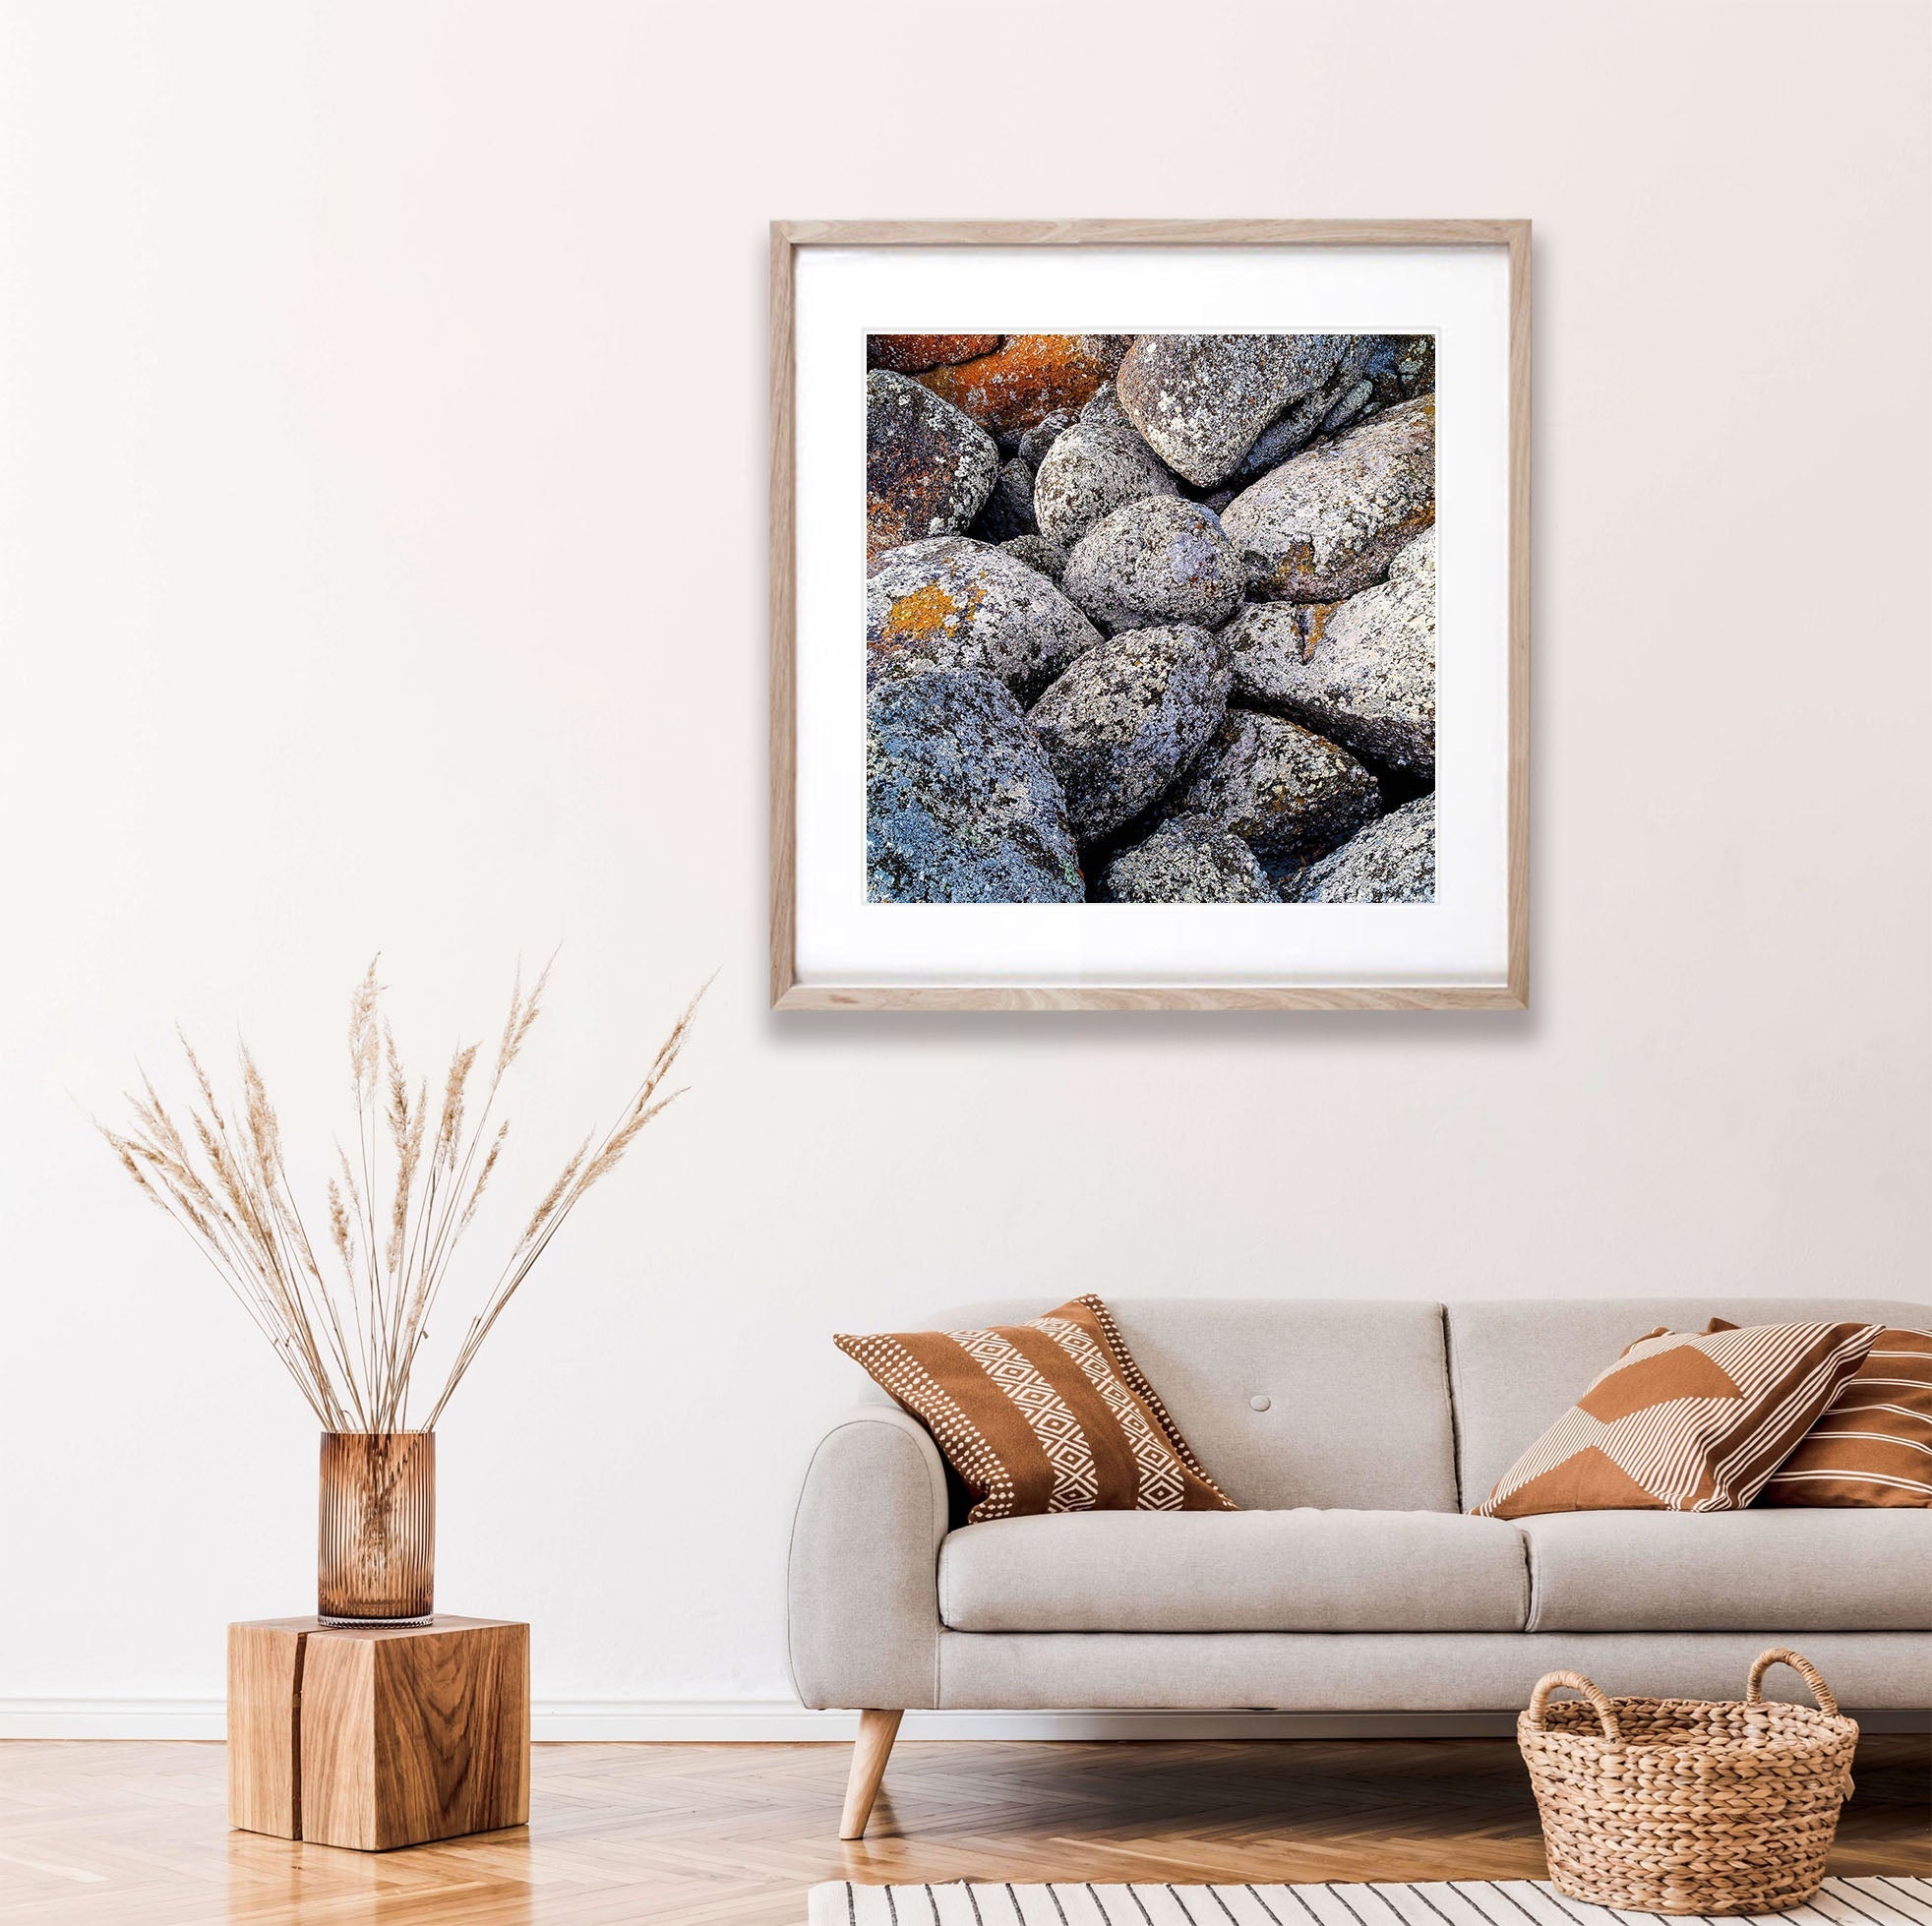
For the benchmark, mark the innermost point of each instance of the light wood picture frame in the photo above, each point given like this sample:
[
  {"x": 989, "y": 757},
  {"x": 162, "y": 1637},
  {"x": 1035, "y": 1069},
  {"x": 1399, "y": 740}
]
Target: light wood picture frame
[{"x": 794, "y": 990}]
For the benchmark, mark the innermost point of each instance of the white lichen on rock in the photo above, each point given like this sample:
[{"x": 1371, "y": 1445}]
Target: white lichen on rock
[
  {"x": 1392, "y": 861},
  {"x": 1157, "y": 560},
  {"x": 1360, "y": 672},
  {"x": 1328, "y": 521},
  {"x": 1122, "y": 723}
]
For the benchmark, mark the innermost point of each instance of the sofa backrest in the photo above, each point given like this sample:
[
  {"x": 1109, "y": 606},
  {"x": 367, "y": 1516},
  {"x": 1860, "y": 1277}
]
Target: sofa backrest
[
  {"x": 1515, "y": 1367},
  {"x": 1357, "y": 1397}
]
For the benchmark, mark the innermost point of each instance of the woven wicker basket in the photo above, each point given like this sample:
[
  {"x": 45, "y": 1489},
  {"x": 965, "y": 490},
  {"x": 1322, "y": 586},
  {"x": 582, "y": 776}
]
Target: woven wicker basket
[{"x": 1688, "y": 1805}]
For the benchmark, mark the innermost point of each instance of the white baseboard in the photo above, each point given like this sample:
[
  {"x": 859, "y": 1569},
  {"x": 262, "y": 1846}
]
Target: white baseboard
[{"x": 756, "y": 1722}]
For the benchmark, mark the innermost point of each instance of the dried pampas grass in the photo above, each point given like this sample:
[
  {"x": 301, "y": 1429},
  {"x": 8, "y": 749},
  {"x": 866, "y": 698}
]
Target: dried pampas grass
[{"x": 348, "y": 1327}]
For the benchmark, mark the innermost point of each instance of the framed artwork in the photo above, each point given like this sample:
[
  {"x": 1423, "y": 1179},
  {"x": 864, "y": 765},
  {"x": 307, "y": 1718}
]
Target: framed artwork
[{"x": 1191, "y": 566}]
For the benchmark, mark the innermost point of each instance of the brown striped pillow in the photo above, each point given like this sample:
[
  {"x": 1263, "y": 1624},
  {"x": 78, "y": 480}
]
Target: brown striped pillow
[
  {"x": 1873, "y": 1446},
  {"x": 1050, "y": 1416},
  {"x": 1685, "y": 1423}
]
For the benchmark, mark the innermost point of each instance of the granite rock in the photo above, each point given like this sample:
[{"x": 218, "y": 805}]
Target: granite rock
[
  {"x": 1285, "y": 791},
  {"x": 1037, "y": 552},
  {"x": 1038, "y": 439},
  {"x": 1303, "y": 421},
  {"x": 961, "y": 805},
  {"x": 1199, "y": 400},
  {"x": 1392, "y": 861},
  {"x": 1094, "y": 467},
  {"x": 1329, "y": 520},
  {"x": 1189, "y": 859},
  {"x": 913, "y": 354},
  {"x": 1123, "y": 722},
  {"x": 1157, "y": 560},
  {"x": 954, "y": 603},
  {"x": 1029, "y": 377},
  {"x": 1360, "y": 671},
  {"x": 928, "y": 470}
]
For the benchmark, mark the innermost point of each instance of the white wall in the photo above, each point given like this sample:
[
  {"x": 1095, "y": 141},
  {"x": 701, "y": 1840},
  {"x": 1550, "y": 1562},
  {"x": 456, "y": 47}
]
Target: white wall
[{"x": 382, "y": 498}]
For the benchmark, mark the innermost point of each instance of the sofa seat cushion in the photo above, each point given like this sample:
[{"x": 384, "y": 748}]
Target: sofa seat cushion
[
  {"x": 1803, "y": 1570},
  {"x": 1279, "y": 1571}
]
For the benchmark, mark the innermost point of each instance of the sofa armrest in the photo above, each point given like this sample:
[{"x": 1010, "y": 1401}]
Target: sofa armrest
[{"x": 862, "y": 1586}]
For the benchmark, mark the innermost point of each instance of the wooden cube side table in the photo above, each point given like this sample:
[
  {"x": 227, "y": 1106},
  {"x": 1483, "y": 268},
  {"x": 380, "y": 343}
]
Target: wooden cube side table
[{"x": 378, "y": 1736}]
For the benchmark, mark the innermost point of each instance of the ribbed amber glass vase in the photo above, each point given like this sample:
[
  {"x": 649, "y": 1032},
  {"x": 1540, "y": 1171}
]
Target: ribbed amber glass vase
[{"x": 377, "y": 1556}]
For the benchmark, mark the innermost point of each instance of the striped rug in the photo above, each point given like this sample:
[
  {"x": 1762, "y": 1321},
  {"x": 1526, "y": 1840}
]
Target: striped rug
[{"x": 1876, "y": 1902}]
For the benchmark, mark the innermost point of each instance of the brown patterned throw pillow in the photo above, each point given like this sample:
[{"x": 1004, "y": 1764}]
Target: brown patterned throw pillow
[
  {"x": 1684, "y": 1423},
  {"x": 1873, "y": 1446},
  {"x": 1046, "y": 1416}
]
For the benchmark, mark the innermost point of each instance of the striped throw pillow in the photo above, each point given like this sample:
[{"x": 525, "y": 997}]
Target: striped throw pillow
[
  {"x": 1873, "y": 1446},
  {"x": 1681, "y": 1423},
  {"x": 1050, "y": 1415}
]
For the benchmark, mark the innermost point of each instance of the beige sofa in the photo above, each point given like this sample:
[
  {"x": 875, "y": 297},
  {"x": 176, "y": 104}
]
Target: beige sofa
[{"x": 1354, "y": 1436}]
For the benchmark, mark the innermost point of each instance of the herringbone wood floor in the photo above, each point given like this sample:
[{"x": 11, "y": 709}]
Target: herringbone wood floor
[{"x": 111, "y": 1834}]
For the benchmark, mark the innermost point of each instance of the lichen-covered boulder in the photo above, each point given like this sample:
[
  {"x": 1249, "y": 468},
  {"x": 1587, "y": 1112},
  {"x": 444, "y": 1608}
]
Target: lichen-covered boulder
[
  {"x": 1049, "y": 557},
  {"x": 1044, "y": 433},
  {"x": 1392, "y": 861},
  {"x": 961, "y": 805},
  {"x": 954, "y": 603},
  {"x": 1008, "y": 510},
  {"x": 928, "y": 470},
  {"x": 1094, "y": 467},
  {"x": 913, "y": 354},
  {"x": 1360, "y": 671},
  {"x": 1375, "y": 372},
  {"x": 1199, "y": 400},
  {"x": 1122, "y": 723},
  {"x": 1158, "y": 560},
  {"x": 1329, "y": 520},
  {"x": 1029, "y": 377},
  {"x": 1283, "y": 790},
  {"x": 1189, "y": 859}
]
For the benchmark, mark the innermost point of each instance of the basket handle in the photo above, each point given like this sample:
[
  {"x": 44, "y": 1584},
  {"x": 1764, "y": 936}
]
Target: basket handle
[
  {"x": 1577, "y": 1683},
  {"x": 1799, "y": 1663}
]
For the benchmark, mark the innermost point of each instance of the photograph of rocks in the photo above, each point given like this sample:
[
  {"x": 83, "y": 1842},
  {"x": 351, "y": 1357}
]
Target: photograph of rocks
[{"x": 1150, "y": 619}]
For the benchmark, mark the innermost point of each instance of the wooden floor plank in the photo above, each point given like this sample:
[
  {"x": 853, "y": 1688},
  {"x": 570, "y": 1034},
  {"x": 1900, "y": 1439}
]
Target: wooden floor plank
[{"x": 135, "y": 1834}]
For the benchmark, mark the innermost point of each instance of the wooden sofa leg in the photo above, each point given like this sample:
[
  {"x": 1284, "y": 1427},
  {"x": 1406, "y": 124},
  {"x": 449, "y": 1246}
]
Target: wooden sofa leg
[{"x": 877, "y": 1732}]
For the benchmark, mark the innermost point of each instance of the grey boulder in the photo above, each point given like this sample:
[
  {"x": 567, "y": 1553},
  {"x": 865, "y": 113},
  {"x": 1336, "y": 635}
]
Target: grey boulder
[
  {"x": 1200, "y": 400},
  {"x": 1158, "y": 560},
  {"x": 928, "y": 467},
  {"x": 1123, "y": 722},
  {"x": 1360, "y": 671},
  {"x": 1329, "y": 520},
  {"x": 1049, "y": 557},
  {"x": 1370, "y": 377},
  {"x": 1044, "y": 433},
  {"x": 1094, "y": 467},
  {"x": 1392, "y": 861},
  {"x": 954, "y": 603},
  {"x": 1189, "y": 858},
  {"x": 961, "y": 805},
  {"x": 1285, "y": 791}
]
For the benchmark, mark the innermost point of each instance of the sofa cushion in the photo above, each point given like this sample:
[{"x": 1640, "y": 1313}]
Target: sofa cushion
[
  {"x": 1814, "y": 1570},
  {"x": 1281, "y": 1571},
  {"x": 1684, "y": 1423},
  {"x": 1052, "y": 1415},
  {"x": 1515, "y": 1366},
  {"x": 1295, "y": 1402},
  {"x": 1873, "y": 1445}
]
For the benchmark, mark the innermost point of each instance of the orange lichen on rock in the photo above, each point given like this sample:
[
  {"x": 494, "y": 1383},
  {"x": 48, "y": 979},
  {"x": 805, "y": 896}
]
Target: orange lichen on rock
[
  {"x": 1030, "y": 377},
  {"x": 913, "y": 354},
  {"x": 917, "y": 617},
  {"x": 1314, "y": 625}
]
